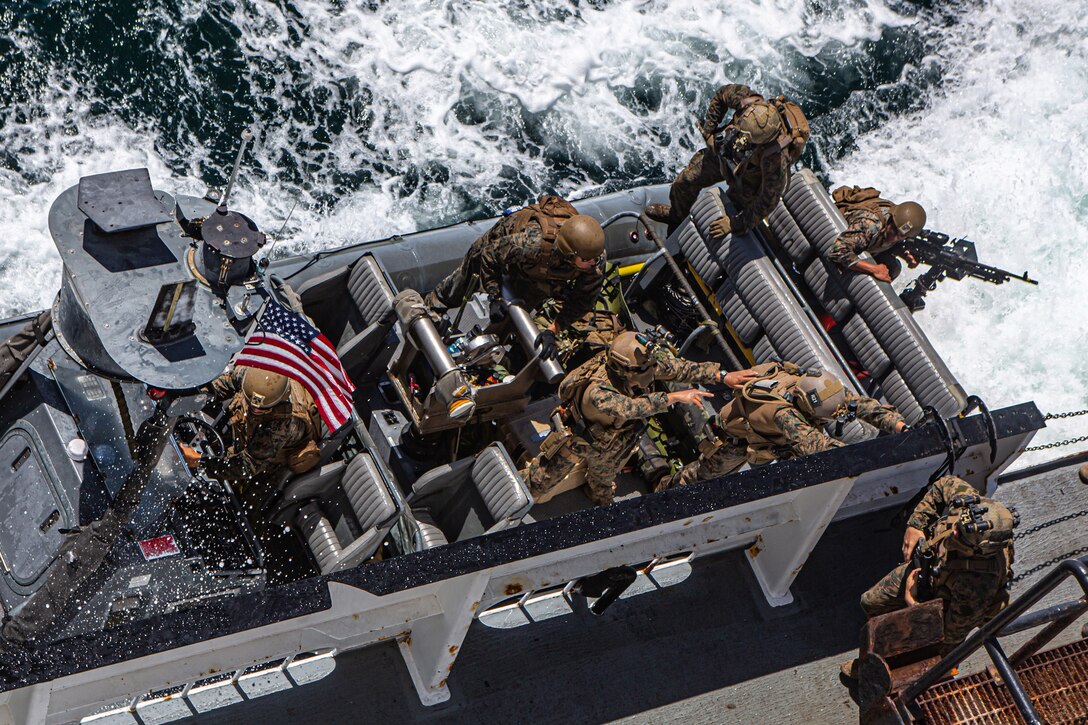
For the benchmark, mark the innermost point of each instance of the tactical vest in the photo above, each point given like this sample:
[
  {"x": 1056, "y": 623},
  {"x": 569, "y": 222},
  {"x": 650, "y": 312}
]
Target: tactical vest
[
  {"x": 852, "y": 199},
  {"x": 548, "y": 214},
  {"x": 750, "y": 416},
  {"x": 242, "y": 424},
  {"x": 995, "y": 558},
  {"x": 598, "y": 428}
]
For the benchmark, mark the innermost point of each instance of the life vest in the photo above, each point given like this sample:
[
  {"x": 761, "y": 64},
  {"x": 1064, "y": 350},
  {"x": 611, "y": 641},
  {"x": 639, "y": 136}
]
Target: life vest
[
  {"x": 750, "y": 415},
  {"x": 548, "y": 213}
]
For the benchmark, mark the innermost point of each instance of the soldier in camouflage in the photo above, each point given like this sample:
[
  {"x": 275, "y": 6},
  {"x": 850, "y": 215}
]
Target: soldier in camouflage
[
  {"x": 779, "y": 415},
  {"x": 974, "y": 565},
  {"x": 756, "y": 182},
  {"x": 876, "y": 226},
  {"x": 605, "y": 405},
  {"x": 545, "y": 251},
  {"x": 273, "y": 423}
]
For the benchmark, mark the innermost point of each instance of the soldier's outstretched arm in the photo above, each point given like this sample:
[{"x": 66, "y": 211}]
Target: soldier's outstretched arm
[
  {"x": 875, "y": 413},
  {"x": 727, "y": 98},
  {"x": 857, "y": 238},
  {"x": 673, "y": 367},
  {"x": 610, "y": 401},
  {"x": 804, "y": 438}
]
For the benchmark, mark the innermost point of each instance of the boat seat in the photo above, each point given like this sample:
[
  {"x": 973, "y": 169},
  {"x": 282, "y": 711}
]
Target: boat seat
[
  {"x": 920, "y": 376},
  {"x": 755, "y": 299},
  {"x": 469, "y": 497},
  {"x": 370, "y": 500}
]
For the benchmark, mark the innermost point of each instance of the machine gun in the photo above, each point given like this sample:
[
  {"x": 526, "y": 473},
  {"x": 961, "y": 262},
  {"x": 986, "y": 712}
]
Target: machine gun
[{"x": 951, "y": 259}]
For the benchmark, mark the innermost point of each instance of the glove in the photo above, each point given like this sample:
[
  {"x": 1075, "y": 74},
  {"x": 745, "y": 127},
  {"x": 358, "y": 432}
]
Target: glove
[
  {"x": 720, "y": 228},
  {"x": 497, "y": 310},
  {"x": 545, "y": 342}
]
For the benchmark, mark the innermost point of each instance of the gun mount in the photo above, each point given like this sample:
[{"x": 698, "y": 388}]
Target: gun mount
[{"x": 130, "y": 306}]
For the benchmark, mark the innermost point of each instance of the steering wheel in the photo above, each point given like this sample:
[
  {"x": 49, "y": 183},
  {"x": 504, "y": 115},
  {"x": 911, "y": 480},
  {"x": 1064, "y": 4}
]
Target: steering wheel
[{"x": 201, "y": 436}]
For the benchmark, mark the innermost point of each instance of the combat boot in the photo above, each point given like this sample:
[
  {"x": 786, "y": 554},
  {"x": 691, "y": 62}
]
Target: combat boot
[{"x": 658, "y": 212}]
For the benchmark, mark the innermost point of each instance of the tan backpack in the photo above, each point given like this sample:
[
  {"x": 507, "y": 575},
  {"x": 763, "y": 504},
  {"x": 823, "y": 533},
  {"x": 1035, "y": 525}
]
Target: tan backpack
[
  {"x": 849, "y": 198},
  {"x": 797, "y": 130}
]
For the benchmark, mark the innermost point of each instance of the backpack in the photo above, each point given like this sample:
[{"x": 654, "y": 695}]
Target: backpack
[
  {"x": 849, "y": 198},
  {"x": 797, "y": 129}
]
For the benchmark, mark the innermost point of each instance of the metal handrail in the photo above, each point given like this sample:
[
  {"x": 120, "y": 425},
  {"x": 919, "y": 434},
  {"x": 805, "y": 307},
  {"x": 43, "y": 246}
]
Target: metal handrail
[{"x": 1009, "y": 620}]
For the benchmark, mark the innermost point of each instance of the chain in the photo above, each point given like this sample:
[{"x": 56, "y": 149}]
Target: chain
[
  {"x": 1047, "y": 524},
  {"x": 1069, "y": 442},
  {"x": 1071, "y": 414},
  {"x": 1050, "y": 562}
]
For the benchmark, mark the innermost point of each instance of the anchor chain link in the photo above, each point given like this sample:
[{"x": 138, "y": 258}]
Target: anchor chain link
[
  {"x": 1059, "y": 444},
  {"x": 1057, "y": 559}
]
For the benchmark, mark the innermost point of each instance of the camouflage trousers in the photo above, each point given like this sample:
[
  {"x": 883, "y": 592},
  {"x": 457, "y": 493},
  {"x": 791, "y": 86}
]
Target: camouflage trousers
[
  {"x": 700, "y": 173},
  {"x": 603, "y": 463},
  {"x": 450, "y": 292},
  {"x": 970, "y": 600},
  {"x": 725, "y": 458}
]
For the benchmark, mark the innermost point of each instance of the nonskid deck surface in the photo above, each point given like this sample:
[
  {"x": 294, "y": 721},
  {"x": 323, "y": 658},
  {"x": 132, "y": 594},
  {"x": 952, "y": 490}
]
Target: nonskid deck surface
[{"x": 705, "y": 651}]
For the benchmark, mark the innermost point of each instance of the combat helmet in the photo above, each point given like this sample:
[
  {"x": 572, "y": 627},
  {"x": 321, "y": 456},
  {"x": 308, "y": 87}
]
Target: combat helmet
[
  {"x": 760, "y": 122},
  {"x": 908, "y": 218},
  {"x": 629, "y": 357},
  {"x": 264, "y": 389},
  {"x": 820, "y": 395},
  {"x": 581, "y": 236},
  {"x": 986, "y": 528}
]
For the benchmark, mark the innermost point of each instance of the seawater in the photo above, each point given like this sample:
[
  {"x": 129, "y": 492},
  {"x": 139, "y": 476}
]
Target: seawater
[{"x": 386, "y": 117}]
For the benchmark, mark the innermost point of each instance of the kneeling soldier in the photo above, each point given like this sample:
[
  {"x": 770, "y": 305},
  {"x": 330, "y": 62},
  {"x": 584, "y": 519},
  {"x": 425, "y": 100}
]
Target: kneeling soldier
[
  {"x": 958, "y": 548},
  {"x": 778, "y": 415},
  {"x": 877, "y": 226},
  {"x": 605, "y": 404}
]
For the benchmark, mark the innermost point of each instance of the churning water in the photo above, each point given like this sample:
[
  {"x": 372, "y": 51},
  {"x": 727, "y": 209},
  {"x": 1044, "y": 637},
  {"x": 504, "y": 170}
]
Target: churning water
[{"x": 384, "y": 117}]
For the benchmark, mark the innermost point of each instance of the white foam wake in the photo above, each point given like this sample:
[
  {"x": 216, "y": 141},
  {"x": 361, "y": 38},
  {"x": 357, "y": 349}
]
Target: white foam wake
[{"x": 998, "y": 157}]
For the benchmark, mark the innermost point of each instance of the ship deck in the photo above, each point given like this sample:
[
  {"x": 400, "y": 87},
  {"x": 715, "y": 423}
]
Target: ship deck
[{"x": 708, "y": 650}]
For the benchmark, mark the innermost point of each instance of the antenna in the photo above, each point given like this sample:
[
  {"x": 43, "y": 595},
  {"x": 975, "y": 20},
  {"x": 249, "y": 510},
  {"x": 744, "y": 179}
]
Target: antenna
[{"x": 247, "y": 136}]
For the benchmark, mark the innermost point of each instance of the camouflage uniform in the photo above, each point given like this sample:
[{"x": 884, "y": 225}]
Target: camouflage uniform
[
  {"x": 509, "y": 256},
  {"x": 797, "y": 437},
  {"x": 285, "y": 436},
  {"x": 971, "y": 598},
  {"x": 586, "y": 336},
  {"x": 755, "y": 191},
  {"x": 865, "y": 233},
  {"x": 603, "y": 448}
]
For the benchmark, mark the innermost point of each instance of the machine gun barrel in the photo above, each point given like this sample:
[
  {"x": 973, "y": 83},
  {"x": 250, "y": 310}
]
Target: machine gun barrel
[{"x": 949, "y": 259}]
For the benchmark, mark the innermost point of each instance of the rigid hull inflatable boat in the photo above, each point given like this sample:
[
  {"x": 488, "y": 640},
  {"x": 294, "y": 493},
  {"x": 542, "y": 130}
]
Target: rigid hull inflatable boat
[{"x": 416, "y": 522}]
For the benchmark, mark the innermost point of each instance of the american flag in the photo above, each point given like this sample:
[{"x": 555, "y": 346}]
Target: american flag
[{"x": 285, "y": 343}]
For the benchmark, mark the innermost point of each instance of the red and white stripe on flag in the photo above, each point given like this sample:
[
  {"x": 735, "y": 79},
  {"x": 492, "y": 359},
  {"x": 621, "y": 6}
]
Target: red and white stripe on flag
[{"x": 285, "y": 343}]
